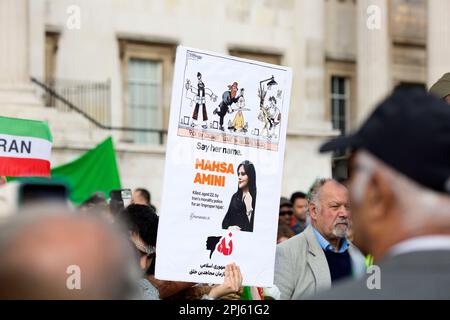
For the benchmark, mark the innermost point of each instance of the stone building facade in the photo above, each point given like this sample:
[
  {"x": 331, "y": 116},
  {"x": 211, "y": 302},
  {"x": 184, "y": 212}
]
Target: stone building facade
[{"x": 115, "y": 60}]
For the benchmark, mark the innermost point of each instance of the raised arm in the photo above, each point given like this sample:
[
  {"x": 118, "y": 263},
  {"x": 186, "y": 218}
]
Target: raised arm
[
  {"x": 231, "y": 284},
  {"x": 211, "y": 94}
]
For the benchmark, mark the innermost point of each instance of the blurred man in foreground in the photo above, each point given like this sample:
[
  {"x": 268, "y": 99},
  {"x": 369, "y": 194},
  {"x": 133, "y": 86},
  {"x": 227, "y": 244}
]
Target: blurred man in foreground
[
  {"x": 400, "y": 193},
  {"x": 52, "y": 253}
]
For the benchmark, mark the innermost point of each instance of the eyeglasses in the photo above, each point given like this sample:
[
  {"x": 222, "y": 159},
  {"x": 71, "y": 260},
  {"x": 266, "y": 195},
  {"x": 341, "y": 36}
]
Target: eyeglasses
[{"x": 283, "y": 213}]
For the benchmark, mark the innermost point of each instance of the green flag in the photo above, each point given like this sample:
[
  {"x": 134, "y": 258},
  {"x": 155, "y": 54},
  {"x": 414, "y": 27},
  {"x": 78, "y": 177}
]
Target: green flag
[{"x": 94, "y": 171}]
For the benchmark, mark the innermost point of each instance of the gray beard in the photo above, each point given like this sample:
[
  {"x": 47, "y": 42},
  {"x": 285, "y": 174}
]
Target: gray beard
[{"x": 340, "y": 232}]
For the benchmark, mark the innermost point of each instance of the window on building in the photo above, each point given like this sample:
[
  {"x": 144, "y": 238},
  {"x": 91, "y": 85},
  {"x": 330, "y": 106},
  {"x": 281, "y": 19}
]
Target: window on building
[
  {"x": 144, "y": 98},
  {"x": 258, "y": 56},
  {"x": 51, "y": 48},
  {"x": 339, "y": 103},
  {"x": 340, "y": 100},
  {"x": 408, "y": 21},
  {"x": 147, "y": 70}
]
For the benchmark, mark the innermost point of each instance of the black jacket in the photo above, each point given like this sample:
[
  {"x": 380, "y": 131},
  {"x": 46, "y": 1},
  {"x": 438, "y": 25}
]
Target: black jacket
[{"x": 237, "y": 215}]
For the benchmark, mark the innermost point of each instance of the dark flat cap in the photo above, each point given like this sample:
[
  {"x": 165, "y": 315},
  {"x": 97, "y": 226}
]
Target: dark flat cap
[{"x": 409, "y": 131}]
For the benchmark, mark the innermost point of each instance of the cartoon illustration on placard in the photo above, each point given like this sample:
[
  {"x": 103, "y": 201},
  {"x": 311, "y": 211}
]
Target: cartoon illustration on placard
[
  {"x": 229, "y": 97},
  {"x": 271, "y": 117},
  {"x": 200, "y": 100},
  {"x": 251, "y": 120},
  {"x": 238, "y": 124},
  {"x": 226, "y": 142},
  {"x": 269, "y": 114}
]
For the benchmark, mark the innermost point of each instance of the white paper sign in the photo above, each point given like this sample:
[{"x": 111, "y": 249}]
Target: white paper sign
[{"x": 223, "y": 168}]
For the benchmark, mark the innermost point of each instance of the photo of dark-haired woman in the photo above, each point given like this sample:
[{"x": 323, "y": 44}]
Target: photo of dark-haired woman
[{"x": 241, "y": 212}]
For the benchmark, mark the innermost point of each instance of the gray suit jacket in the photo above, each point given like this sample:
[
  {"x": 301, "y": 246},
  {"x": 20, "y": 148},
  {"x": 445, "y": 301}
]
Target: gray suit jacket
[
  {"x": 301, "y": 268},
  {"x": 414, "y": 275}
]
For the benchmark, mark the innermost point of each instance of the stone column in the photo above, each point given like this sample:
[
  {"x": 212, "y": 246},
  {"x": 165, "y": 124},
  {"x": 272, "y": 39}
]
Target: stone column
[
  {"x": 438, "y": 41},
  {"x": 373, "y": 55},
  {"x": 307, "y": 112},
  {"x": 15, "y": 86},
  {"x": 313, "y": 25}
]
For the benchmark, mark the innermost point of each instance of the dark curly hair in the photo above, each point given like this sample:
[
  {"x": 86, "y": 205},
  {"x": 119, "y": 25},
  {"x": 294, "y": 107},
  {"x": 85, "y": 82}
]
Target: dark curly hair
[{"x": 142, "y": 220}]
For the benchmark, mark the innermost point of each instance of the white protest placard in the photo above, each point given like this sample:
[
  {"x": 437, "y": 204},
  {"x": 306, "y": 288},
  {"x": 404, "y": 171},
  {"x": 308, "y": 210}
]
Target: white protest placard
[{"x": 223, "y": 168}]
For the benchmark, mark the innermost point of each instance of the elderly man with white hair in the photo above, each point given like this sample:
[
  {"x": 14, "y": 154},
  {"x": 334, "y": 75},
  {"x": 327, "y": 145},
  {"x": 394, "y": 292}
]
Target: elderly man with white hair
[
  {"x": 400, "y": 193},
  {"x": 321, "y": 255}
]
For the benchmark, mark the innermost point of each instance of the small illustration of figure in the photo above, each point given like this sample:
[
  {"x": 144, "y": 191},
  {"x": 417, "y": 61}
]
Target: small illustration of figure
[
  {"x": 228, "y": 98},
  {"x": 264, "y": 116},
  {"x": 238, "y": 123},
  {"x": 271, "y": 117},
  {"x": 275, "y": 115},
  {"x": 200, "y": 100},
  {"x": 268, "y": 114}
]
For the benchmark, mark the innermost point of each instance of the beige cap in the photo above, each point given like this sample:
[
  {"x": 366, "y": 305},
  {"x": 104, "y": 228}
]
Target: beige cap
[{"x": 441, "y": 88}]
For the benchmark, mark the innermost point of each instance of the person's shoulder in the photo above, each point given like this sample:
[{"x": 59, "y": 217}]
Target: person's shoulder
[
  {"x": 298, "y": 238},
  {"x": 148, "y": 290},
  {"x": 355, "y": 253},
  {"x": 235, "y": 196}
]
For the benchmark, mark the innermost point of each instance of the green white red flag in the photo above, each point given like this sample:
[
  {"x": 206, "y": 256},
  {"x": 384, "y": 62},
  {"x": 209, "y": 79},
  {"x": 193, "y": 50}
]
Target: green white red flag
[{"x": 25, "y": 147}]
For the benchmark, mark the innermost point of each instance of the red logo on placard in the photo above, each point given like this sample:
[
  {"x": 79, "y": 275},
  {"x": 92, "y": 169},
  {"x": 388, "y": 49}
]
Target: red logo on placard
[{"x": 225, "y": 246}]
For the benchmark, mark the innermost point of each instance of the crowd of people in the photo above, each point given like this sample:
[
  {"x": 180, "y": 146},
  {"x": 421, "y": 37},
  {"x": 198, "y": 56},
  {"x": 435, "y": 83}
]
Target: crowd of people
[
  {"x": 115, "y": 253},
  {"x": 393, "y": 211}
]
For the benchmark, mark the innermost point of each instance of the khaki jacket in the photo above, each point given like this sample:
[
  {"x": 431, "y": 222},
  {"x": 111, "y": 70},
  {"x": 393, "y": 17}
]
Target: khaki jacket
[{"x": 301, "y": 268}]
